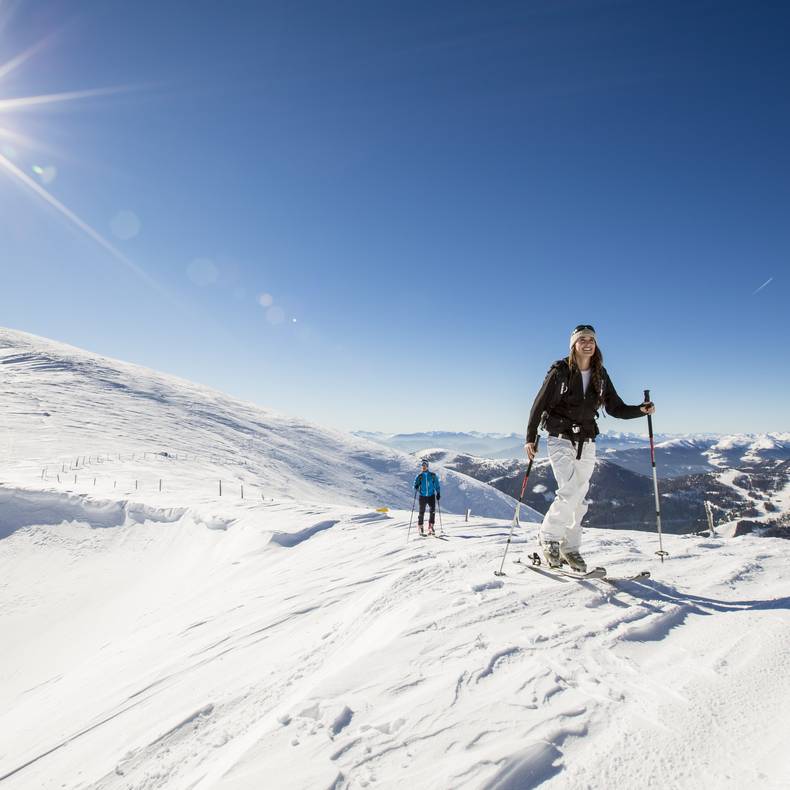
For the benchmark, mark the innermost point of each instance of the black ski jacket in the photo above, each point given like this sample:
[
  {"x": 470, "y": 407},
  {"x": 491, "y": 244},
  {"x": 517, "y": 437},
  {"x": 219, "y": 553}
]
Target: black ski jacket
[{"x": 569, "y": 412}]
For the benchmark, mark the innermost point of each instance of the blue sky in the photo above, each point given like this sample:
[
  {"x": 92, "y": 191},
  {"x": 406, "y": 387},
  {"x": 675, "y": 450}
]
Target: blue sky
[{"x": 426, "y": 197}]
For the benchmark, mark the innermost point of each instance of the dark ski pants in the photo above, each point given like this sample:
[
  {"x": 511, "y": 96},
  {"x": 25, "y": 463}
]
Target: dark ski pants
[{"x": 431, "y": 502}]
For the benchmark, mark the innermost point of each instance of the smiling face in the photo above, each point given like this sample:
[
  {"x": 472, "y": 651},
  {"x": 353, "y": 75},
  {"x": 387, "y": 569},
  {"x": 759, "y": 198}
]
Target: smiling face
[{"x": 584, "y": 347}]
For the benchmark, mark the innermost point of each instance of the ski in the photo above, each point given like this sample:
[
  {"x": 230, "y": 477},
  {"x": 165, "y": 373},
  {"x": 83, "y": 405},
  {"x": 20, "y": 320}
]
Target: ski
[
  {"x": 633, "y": 578},
  {"x": 595, "y": 573}
]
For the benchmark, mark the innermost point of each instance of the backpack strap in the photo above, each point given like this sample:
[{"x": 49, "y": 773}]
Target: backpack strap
[
  {"x": 562, "y": 381},
  {"x": 561, "y": 385}
]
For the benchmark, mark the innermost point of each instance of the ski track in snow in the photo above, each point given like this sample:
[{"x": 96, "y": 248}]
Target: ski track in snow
[{"x": 180, "y": 639}]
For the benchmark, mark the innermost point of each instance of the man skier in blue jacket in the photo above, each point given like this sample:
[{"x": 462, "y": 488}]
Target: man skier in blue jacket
[{"x": 427, "y": 483}]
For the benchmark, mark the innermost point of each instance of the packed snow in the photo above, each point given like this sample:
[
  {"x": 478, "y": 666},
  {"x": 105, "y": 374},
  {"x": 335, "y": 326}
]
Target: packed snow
[{"x": 303, "y": 637}]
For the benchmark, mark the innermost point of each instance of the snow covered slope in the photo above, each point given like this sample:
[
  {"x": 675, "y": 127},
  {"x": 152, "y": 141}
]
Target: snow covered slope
[
  {"x": 317, "y": 648},
  {"x": 61, "y": 405},
  {"x": 185, "y": 641}
]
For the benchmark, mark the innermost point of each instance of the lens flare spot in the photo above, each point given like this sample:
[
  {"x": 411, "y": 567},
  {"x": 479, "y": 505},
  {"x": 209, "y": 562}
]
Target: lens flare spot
[
  {"x": 203, "y": 271},
  {"x": 275, "y": 315},
  {"x": 45, "y": 174},
  {"x": 266, "y": 300},
  {"x": 125, "y": 225}
]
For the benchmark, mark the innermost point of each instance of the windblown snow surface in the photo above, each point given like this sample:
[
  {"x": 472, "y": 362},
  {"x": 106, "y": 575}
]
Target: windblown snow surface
[{"x": 179, "y": 639}]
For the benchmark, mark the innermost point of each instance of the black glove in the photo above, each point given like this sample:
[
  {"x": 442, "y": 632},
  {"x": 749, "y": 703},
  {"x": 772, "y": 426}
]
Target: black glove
[
  {"x": 417, "y": 487},
  {"x": 438, "y": 496}
]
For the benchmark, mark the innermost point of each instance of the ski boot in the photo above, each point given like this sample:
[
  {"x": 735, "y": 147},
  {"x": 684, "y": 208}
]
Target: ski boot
[
  {"x": 574, "y": 560},
  {"x": 430, "y": 530},
  {"x": 422, "y": 530},
  {"x": 551, "y": 551}
]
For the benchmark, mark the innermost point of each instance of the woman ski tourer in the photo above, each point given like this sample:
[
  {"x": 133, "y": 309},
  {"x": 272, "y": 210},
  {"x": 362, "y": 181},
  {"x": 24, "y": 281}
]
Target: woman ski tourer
[{"x": 574, "y": 391}]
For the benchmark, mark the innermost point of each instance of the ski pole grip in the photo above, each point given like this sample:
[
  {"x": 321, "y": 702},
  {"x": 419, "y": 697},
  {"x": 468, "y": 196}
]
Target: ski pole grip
[{"x": 650, "y": 427}]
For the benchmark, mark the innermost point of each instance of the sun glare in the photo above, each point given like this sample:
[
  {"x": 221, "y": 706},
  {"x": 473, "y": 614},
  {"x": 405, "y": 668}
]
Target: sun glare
[
  {"x": 49, "y": 199},
  {"x": 16, "y": 62},
  {"x": 14, "y": 142}
]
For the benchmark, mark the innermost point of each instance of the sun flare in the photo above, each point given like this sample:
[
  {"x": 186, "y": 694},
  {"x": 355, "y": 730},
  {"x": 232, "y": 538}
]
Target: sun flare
[{"x": 14, "y": 142}]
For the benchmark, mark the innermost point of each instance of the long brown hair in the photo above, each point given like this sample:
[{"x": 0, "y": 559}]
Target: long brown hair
[{"x": 596, "y": 363}]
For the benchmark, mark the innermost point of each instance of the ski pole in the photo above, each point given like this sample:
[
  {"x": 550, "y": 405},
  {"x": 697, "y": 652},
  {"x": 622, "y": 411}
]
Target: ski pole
[
  {"x": 661, "y": 553},
  {"x": 414, "y": 502},
  {"x": 500, "y": 572}
]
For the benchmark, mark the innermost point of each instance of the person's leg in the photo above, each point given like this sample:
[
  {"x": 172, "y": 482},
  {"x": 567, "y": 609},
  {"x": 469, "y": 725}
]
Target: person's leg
[
  {"x": 432, "y": 517},
  {"x": 421, "y": 514},
  {"x": 584, "y": 470},
  {"x": 560, "y": 517}
]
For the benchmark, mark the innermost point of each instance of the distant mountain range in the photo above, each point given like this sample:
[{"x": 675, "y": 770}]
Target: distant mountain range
[
  {"x": 745, "y": 477},
  {"x": 511, "y": 445},
  {"x": 488, "y": 445},
  {"x": 752, "y": 496},
  {"x": 678, "y": 454}
]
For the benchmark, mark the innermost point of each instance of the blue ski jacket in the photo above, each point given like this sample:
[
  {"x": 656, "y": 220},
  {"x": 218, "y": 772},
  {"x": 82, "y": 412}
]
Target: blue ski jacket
[{"x": 427, "y": 483}]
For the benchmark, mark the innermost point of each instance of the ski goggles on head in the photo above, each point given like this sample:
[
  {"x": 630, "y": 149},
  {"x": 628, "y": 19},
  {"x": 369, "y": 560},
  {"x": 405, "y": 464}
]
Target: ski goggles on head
[{"x": 584, "y": 328}]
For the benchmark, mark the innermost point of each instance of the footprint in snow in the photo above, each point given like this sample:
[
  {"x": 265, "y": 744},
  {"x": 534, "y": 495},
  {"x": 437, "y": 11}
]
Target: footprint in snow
[{"x": 491, "y": 585}]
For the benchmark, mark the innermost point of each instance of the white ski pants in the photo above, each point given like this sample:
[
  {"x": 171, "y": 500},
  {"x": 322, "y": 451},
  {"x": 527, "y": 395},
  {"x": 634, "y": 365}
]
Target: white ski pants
[{"x": 563, "y": 520}]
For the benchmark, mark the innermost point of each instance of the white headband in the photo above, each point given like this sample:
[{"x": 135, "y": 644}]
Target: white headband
[{"x": 582, "y": 333}]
